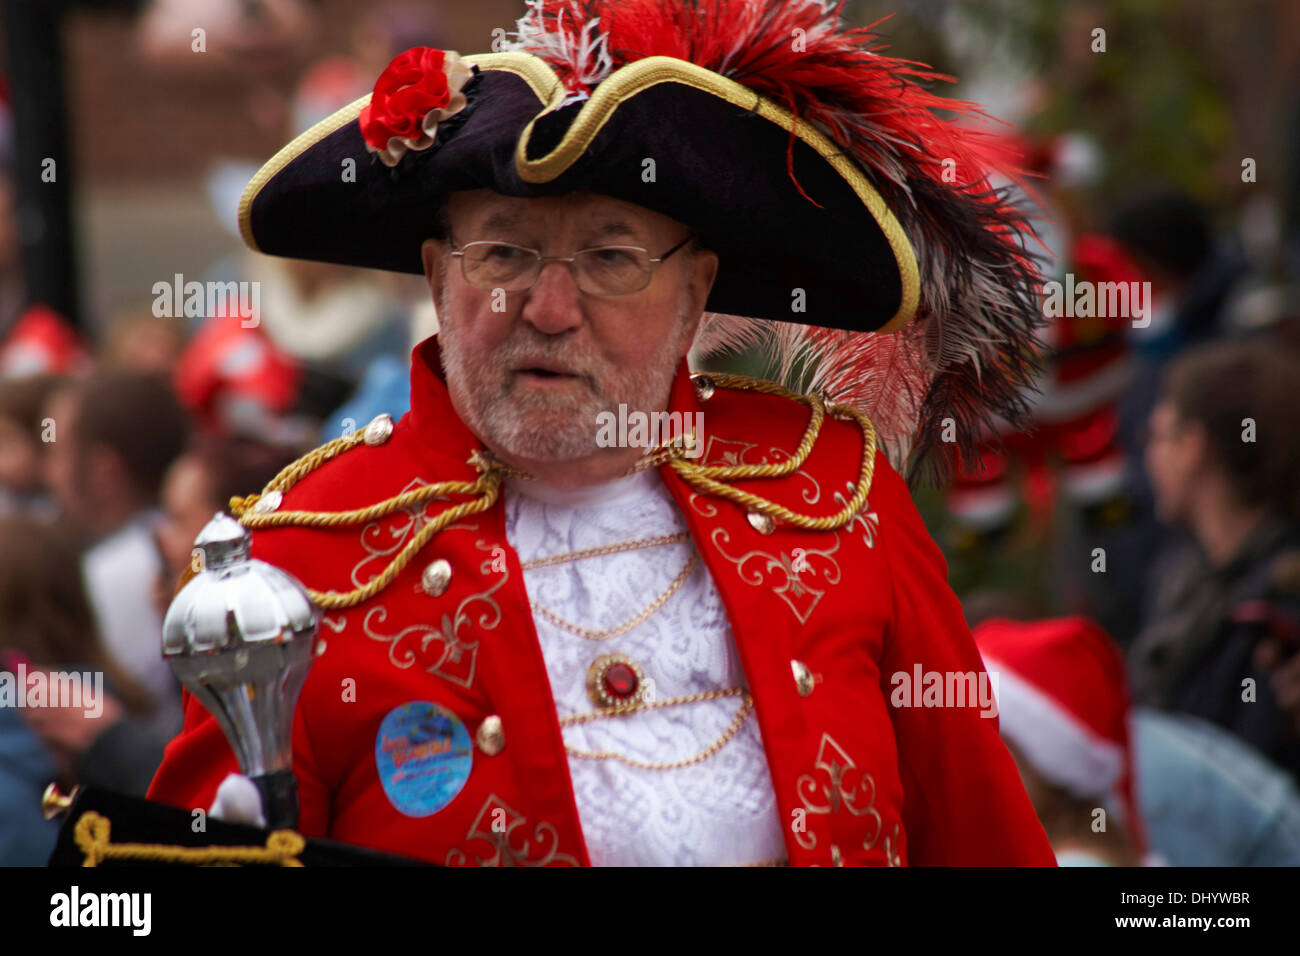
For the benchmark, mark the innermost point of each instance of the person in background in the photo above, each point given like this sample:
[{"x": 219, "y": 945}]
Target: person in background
[
  {"x": 317, "y": 335},
  {"x": 1195, "y": 278},
  {"x": 199, "y": 484},
  {"x": 1063, "y": 710},
  {"x": 49, "y": 626},
  {"x": 140, "y": 341},
  {"x": 115, "y": 434},
  {"x": 22, "y": 485},
  {"x": 1208, "y": 799},
  {"x": 11, "y": 284},
  {"x": 1203, "y": 798},
  {"x": 1224, "y": 463}
]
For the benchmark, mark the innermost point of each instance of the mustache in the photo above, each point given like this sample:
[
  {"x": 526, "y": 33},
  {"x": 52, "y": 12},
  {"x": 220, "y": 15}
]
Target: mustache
[{"x": 523, "y": 347}]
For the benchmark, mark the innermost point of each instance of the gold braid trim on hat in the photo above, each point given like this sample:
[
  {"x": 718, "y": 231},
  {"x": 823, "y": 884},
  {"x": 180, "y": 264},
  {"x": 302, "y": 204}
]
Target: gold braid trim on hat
[{"x": 486, "y": 488}]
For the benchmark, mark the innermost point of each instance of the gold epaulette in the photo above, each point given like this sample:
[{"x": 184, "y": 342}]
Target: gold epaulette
[{"x": 259, "y": 511}]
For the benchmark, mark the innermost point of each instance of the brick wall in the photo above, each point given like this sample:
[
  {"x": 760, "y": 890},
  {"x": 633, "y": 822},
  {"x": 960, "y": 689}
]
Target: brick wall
[{"x": 134, "y": 122}]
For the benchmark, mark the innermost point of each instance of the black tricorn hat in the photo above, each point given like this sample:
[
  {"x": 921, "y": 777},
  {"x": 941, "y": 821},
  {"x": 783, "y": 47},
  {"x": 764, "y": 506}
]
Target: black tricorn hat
[
  {"x": 821, "y": 172},
  {"x": 660, "y": 132}
]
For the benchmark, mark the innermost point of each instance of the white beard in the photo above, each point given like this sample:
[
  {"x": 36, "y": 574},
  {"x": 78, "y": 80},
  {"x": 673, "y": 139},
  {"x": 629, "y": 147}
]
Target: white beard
[{"x": 542, "y": 426}]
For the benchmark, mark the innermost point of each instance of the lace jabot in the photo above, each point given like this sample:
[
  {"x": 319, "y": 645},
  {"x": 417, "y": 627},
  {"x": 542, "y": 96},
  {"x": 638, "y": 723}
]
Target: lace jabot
[{"x": 719, "y": 811}]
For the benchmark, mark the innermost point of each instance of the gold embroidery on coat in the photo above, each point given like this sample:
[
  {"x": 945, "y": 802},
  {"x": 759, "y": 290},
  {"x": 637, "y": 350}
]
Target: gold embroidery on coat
[
  {"x": 839, "y": 786},
  {"x": 795, "y": 584},
  {"x": 493, "y": 826},
  {"x": 392, "y": 527},
  {"x": 891, "y": 849},
  {"x": 795, "y": 587},
  {"x": 869, "y": 520},
  {"x": 726, "y": 451},
  {"x": 459, "y": 656}
]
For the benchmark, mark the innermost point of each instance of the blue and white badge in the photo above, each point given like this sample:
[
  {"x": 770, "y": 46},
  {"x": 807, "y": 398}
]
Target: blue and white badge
[{"x": 423, "y": 753}]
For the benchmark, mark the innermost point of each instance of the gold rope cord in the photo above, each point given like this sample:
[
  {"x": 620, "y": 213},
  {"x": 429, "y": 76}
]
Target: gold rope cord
[
  {"x": 709, "y": 478},
  {"x": 485, "y": 490},
  {"x": 92, "y": 834}
]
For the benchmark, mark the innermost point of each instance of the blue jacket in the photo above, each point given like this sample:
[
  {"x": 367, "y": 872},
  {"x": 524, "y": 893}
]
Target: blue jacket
[
  {"x": 1208, "y": 799},
  {"x": 26, "y": 769}
]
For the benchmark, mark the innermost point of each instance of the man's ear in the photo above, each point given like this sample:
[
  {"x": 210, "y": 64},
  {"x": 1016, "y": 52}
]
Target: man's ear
[
  {"x": 432, "y": 252},
  {"x": 704, "y": 271}
]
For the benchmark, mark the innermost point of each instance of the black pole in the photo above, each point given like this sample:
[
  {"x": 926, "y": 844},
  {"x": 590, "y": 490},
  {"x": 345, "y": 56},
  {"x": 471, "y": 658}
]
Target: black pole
[
  {"x": 279, "y": 792},
  {"x": 34, "y": 57}
]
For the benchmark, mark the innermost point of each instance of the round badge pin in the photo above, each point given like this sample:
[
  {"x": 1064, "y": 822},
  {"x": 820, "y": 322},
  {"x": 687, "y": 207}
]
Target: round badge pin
[{"x": 423, "y": 753}]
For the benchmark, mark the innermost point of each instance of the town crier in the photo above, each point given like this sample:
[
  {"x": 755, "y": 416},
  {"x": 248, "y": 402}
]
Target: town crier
[{"x": 581, "y": 604}]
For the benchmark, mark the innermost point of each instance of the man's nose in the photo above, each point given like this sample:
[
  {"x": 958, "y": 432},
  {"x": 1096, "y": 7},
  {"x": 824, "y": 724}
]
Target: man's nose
[{"x": 554, "y": 303}]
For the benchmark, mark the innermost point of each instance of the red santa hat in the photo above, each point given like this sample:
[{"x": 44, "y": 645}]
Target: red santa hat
[
  {"x": 1062, "y": 696},
  {"x": 41, "y": 342}
]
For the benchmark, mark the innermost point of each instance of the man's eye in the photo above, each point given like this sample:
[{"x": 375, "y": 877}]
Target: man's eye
[
  {"x": 612, "y": 257},
  {"x": 503, "y": 253}
]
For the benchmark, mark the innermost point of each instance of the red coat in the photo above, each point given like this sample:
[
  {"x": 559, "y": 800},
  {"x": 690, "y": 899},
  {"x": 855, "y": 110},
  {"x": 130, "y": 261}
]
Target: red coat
[{"x": 857, "y": 780}]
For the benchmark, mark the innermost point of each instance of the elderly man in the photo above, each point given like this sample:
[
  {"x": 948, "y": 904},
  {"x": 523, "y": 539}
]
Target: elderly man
[{"x": 551, "y": 641}]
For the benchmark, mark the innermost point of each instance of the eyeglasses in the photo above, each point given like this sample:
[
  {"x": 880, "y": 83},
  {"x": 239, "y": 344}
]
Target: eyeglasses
[{"x": 601, "y": 270}]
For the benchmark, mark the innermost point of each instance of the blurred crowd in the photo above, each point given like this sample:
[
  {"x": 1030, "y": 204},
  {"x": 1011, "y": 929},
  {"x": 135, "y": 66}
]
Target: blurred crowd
[
  {"x": 1155, "y": 497},
  {"x": 1130, "y": 564},
  {"x": 118, "y": 443}
]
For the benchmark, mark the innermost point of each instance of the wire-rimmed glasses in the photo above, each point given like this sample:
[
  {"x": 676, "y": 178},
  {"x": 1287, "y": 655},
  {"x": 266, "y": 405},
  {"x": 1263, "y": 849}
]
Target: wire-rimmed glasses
[{"x": 601, "y": 270}]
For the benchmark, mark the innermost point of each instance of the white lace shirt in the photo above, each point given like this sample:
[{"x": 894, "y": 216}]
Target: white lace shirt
[{"x": 719, "y": 811}]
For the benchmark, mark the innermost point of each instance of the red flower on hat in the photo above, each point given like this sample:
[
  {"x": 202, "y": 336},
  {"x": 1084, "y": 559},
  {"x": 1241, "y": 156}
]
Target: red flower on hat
[{"x": 418, "y": 90}]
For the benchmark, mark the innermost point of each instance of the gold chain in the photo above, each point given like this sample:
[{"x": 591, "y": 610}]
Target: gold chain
[
  {"x": 632, "y": 707},
  {"x": 746, "y": 706},
  {"x": 627, "y": 625},
  {"x": 618, "y": 548}
]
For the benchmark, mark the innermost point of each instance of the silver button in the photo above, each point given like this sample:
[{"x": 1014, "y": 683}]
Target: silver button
[
  {"x": 760, "y": 522},
  {"x": 379, "y": 430},
  {"x": 803, "y": 679},
  {"x": 267, "y": 503},
  {"x": 491, "y": 736},
  {"x": 436, "y": 577},
  {"x": 703, "y": 387}
]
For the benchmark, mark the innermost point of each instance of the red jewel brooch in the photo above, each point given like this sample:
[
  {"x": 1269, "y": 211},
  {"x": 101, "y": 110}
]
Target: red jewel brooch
[{"x": 614, "y": 680}]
